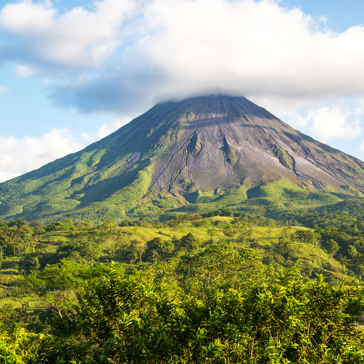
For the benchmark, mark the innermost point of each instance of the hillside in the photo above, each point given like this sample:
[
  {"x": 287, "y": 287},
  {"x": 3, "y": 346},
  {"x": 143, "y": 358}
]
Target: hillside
[{"x": 189, "y": 156}]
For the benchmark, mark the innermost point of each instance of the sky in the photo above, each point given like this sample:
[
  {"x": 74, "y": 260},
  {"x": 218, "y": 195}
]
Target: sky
[{"x": 71, "y": 72}]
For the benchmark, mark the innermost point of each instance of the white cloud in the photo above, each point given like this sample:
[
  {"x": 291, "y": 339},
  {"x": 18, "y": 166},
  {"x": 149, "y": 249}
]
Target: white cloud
[
  {"x": 144, "y": 51},
  {"x": 125, "y": 55},
  {"x": 254, "y": 48},
  {"x": 4, "y": 90},
  {"x": 112, "y": 126},
  {"x": 330, "y": 121},
  {"x": 25, "y": 71},
  {"x": 4, "y": 176},
  {"x": 104, "y": 131},
  {"x": 87, "y": 137},
  {"x": 362, "y": 145},
  {"x": 158, "y": 49},
  {"x": 20, "y": 155},
  {"x": 76, "y": 38}
]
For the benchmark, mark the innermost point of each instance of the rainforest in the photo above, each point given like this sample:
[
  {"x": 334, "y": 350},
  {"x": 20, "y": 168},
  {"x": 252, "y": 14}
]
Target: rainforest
[{"x": 223, "y": 287}]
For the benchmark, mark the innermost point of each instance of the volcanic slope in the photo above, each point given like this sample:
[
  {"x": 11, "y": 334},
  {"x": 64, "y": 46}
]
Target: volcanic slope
[{"x": 199, "y": 153}]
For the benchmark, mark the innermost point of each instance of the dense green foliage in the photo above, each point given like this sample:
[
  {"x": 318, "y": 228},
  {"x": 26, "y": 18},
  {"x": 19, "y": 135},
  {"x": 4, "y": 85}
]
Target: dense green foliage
[
  {"x": 225, "y": 287},
  {"x": 220, "y": 305},
  {"x": 335, "y": 251}
]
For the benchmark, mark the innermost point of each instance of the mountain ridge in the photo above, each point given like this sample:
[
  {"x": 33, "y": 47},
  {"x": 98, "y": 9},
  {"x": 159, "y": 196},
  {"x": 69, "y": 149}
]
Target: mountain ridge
[{"x": 206, "y": 146}]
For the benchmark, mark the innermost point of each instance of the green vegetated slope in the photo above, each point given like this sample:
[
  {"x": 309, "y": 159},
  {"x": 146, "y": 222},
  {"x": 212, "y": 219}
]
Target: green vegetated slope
[
  {"x": 105, "y": 179},
  {"x": 195, "y": 155},
  {"x": 192, "y": 288},
  {"x": 269, "y": 199}
]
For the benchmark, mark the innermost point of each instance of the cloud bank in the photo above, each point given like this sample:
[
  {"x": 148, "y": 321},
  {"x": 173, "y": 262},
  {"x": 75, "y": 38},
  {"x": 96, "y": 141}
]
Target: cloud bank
[{"x": 124, "y": 55}]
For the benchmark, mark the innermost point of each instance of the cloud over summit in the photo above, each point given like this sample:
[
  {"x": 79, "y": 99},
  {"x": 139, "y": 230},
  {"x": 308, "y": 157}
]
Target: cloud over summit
[{"x": 123, "y": 51}]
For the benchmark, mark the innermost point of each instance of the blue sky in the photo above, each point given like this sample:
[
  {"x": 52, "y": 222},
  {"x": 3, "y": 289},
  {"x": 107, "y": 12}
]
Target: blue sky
[
  {"x": 340, "y": 14},
  {"x": 73, "y": 71}
]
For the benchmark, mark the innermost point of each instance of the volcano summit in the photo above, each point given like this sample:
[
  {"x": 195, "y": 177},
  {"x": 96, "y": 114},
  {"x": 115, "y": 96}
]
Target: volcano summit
[{"x": 191, "y": 155}]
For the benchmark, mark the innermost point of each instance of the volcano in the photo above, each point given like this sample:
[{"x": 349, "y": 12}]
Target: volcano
[{"x": 200, "y": 153}]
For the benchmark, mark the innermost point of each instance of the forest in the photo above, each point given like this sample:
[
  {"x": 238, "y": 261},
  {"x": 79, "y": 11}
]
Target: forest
[{"x": 222, "y": 287}]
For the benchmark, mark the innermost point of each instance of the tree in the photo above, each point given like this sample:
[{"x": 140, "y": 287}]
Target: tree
[
  {"x": 219, "y": 267},
  {"x": 202, "y": 223},
  {"x": 189, "y": 243},
  {"x": 17, "y": 345},
  {"x": 306, "y": 236},
  {"x": 108, "y": 224},
  {"x": 332, "y": 247},
  {"x": 158, "y": 249},
  {"x": 84, "y": 246},
  {"x": 277, "y": 319},
  {"x": 287, "y": 236},
  {"x": 131, "y": 254},
  {"x": 37, "y": 227},
  {"x": 32, "y": 264},
  {"x": 59, "y": 285},
  {"x": 140, "y": 248}
]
